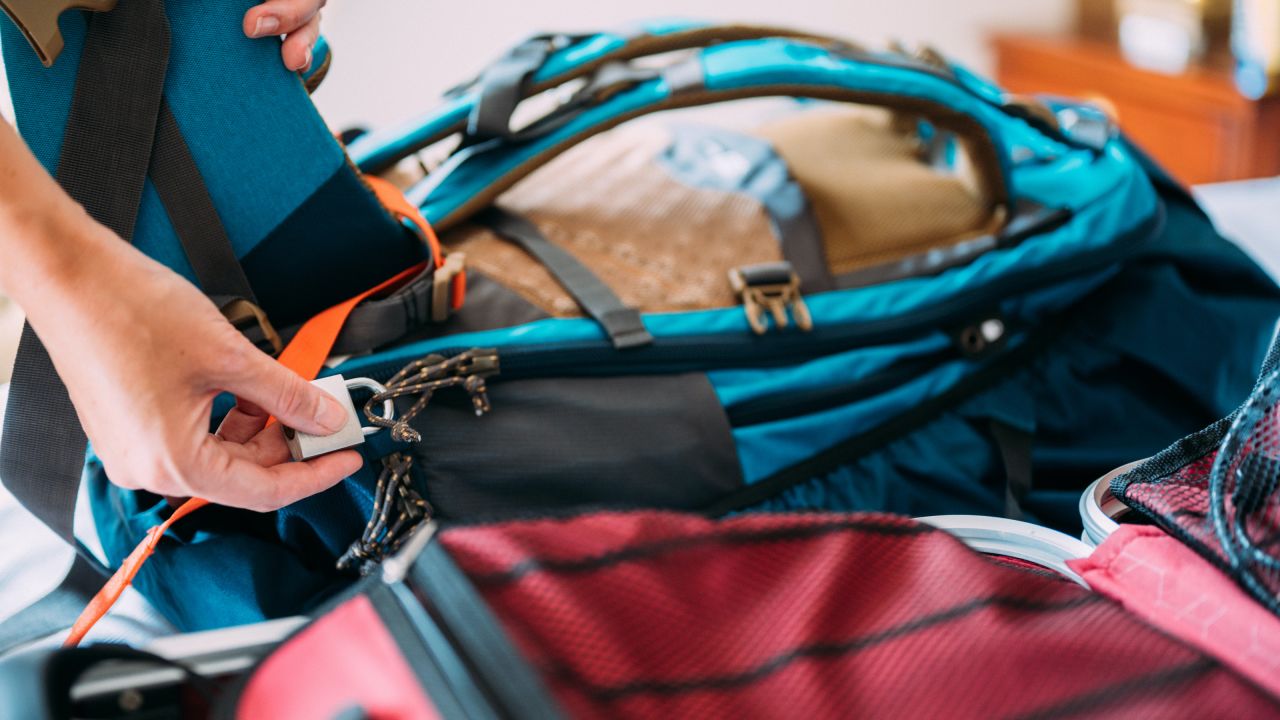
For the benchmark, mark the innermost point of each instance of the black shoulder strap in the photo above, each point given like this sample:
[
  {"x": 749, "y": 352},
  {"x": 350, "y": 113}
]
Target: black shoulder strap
[
  {"x": 119, "y": 131},
  {"x": 621, "y": 323},
  {"x": 103, "y": 166},
  {"x": 191, "y": 211}
]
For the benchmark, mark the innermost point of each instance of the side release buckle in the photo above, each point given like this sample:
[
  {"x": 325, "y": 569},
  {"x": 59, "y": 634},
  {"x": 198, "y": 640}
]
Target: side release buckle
[
  {"x": 38, "y": 21},
  {"x": 772, "y": 287},
  {"x": 245, "y": 316},
  {"x": 448, "y": 286}
]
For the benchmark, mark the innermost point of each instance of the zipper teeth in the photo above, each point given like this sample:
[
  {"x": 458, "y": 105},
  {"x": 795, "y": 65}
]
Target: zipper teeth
[{"x": 691, "y": 353}]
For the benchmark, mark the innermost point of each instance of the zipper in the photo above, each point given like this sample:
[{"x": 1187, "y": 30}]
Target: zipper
[{"x": 724, "y": 351}]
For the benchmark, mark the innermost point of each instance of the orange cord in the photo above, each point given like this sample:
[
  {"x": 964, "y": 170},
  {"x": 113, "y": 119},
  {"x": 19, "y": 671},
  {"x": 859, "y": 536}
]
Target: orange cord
[{"x": 305, "y": 355}]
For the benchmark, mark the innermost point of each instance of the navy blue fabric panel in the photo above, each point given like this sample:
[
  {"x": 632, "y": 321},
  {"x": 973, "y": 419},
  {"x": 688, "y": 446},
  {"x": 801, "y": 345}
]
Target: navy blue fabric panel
[
  {"x": 1165, "y": 348},
  {"x": 338, "y": 243}
]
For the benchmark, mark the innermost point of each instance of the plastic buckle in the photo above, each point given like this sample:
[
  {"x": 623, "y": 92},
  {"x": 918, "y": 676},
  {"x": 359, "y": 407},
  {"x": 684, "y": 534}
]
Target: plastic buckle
[
  {"x": 771, "y": 287},
  {"x": 443, "y": 294},
  {"x": 38, "y": 21},
  {"x": 1087, "y": 124},
  {"x": 252, "y": 322}
]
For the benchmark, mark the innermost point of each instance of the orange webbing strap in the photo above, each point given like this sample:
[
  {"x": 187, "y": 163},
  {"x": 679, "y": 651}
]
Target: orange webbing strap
[
  {"x": 305, "y": 355},
  {"x": 397, "y": 204}
]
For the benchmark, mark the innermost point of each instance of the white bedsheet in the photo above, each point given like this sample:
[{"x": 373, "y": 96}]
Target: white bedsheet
[{"x": 33, "y": 560}]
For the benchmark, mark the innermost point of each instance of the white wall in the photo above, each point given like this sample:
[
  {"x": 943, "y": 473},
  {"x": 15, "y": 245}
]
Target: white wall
[{"x": 393, "y": 57}]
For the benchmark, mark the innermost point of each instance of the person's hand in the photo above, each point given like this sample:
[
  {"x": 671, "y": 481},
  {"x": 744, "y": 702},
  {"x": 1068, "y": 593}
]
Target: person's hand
[
  {"x": 297, "y": 20},
  {"x": 143, "y": 354}
]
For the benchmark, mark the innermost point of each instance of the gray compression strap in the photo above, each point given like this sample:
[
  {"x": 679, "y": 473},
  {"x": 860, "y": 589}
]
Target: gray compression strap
[
  {"x": 376, "y": 322},
  {"x": 621, "y": 323},
  {"x": 105, "y": 155},
  {"x": 696, "y": 157},
  {"x": 502, "y": 87}
]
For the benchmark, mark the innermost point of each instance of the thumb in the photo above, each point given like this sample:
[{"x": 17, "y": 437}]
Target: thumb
[{"x": 285, "y": 395}]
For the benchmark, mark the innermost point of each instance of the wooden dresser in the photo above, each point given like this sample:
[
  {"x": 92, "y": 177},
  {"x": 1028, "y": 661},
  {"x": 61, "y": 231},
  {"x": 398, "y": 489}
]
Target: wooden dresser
[{"x": 1196, "y": 124}]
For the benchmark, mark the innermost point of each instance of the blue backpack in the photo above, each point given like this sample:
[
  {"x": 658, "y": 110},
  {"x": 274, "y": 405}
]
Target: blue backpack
[{"x": 1008, "y": 302}]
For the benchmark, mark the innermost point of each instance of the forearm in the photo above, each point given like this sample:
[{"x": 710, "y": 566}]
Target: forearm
[{"x": 46, "y": 238}]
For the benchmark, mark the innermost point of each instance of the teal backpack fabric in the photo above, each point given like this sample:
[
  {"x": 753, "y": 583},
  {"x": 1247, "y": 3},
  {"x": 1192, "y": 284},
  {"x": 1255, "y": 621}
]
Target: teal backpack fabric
[
  {"x": 1123, "y": 321},
  {"x": 307, "y": 231}
]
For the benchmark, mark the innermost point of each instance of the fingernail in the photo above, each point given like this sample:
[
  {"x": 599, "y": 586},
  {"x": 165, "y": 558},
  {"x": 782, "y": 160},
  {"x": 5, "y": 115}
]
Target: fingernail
[
  {"x": 332, "y": 416},
  {"x": 266, "y": 25},
  {"x": 306, "y": 61}
]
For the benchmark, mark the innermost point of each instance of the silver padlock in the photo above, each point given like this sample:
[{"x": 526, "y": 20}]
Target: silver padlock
[{"x": 304, "y": 447}]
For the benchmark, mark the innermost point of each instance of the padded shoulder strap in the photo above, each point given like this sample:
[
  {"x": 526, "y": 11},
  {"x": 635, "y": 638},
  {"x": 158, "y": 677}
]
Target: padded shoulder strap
[
  {"x": 482, "y": 106},
  {"x": 475, "y": 175}
]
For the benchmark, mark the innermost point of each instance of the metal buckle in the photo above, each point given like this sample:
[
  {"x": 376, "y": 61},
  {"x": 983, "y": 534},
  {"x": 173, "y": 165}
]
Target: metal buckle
[
  {"x": 252, "y": 322},
  {"x": 775, "y": 297}
]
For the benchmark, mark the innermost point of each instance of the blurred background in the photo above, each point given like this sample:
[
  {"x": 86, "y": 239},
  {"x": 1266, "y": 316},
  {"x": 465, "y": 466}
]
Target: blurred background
[{"x": 1191, "y": 80}]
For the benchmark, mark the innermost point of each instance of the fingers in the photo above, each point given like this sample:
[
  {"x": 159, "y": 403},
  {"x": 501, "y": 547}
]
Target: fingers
[
  {"x": 261, "y": 381},
  {"x": 238, "y": 481},
  {"x": 267, "y": 447},
  {"x": 279, "y": 17},
  {"x": 298, "y": 19},
  {"x": 243, "y": 422},
  {"x": 297, "y": 47}
]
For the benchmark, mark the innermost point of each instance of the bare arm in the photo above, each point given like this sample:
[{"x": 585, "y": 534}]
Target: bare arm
[{"x": 143, "y": 352}]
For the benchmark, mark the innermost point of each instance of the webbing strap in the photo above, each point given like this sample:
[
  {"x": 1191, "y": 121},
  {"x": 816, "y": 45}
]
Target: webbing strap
[
  {"x": 379, "y": 321},
  {"x": 622, "y": 324},
  {"x": 191, "y": 211},
  {"x": 1015, "y": 452},
  {"x": 502, "y": 86},
  {"x": 105, "y": 155},
  {"x": 693, "y": 157}
]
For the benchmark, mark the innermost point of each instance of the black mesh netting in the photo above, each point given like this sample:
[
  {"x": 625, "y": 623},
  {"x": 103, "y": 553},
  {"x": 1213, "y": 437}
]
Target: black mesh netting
[{"x": 1217, "y": 491}]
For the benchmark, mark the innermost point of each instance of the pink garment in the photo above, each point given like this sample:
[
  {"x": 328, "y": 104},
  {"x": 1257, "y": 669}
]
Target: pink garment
[{"x": 1171, "y": 587}]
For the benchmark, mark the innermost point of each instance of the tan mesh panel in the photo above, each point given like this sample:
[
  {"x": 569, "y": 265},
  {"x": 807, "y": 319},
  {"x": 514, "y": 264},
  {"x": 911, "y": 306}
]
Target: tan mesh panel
[
  {"x": 874, "y": 199},
  {"x": 664, "y": 246},
  {"x": 659, "y": 244}
]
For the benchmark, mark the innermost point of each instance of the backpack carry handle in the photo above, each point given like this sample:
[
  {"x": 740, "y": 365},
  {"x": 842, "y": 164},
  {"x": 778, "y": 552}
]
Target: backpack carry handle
[
  {"x": 536, "y": 65},
  {"x": 472, "y": 178}
]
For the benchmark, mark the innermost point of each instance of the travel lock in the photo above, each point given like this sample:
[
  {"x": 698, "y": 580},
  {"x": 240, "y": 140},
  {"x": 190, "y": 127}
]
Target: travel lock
[{"x": 303, "y": 446}]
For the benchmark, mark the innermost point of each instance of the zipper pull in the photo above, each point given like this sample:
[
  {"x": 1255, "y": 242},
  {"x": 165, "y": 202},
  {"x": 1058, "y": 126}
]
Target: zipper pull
[
  {"x": 773, "y": 288},
  {"x": 422, "y": 378},
  {"x": 976, "y": 339}
]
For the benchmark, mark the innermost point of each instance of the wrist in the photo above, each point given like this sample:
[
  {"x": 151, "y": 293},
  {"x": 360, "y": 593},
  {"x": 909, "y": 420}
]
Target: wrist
[{"x": 60, "y": 253}]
